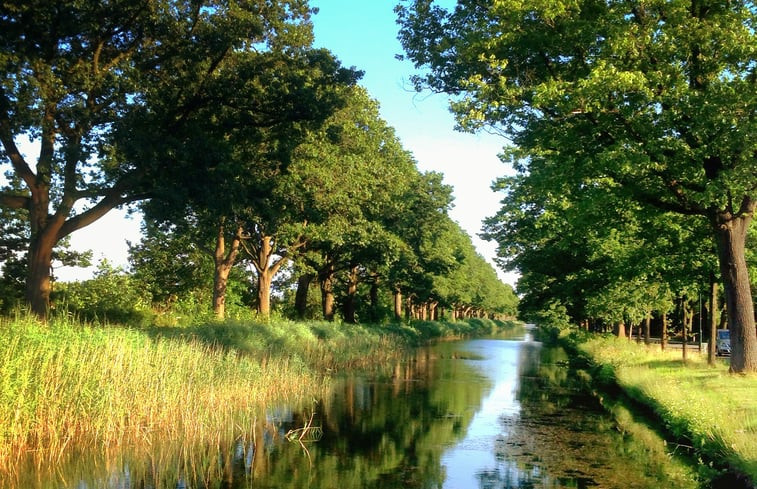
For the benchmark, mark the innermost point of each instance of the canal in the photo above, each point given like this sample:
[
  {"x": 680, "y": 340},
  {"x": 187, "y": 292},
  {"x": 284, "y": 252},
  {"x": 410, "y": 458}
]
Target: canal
[{"x": 478, "y": 414}]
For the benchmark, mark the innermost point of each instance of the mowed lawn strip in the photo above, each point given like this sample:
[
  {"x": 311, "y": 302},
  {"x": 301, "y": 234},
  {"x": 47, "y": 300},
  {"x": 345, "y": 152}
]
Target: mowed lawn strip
[{"x": 712, "y": 409}]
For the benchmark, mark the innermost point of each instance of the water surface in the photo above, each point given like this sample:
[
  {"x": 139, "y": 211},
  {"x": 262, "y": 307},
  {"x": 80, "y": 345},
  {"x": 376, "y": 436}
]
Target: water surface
[{"x": 486, "y": 413}]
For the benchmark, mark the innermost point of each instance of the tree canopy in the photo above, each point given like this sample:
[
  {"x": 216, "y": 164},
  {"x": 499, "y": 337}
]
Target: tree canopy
[
  {"x": 238, "y": 139},
  {"x": 73, "y": 71},
  {"x": 654, "y": 101}
]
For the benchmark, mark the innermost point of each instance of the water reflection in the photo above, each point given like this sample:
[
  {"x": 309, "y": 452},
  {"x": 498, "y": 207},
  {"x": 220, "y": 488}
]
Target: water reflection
[
  {"x": 551, "y": 434},
  {"x": 478, "y": 414}
]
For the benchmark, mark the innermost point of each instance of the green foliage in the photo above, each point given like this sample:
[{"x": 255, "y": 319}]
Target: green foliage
[
  {"x": 112, "y": 296},
  {"x": 168, "y": 265},
  {"x": 226, "y": 185},
  {"x": 115, "y": 95},
  {"x": 615, "y": 112},
  {"x": 238, "y": 136},
  {"x": 555, "y": 315}
]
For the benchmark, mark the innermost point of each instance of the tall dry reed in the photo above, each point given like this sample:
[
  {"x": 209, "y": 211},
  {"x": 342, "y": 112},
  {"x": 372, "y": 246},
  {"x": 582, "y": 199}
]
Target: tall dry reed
[{"x": 64, "y": 385}]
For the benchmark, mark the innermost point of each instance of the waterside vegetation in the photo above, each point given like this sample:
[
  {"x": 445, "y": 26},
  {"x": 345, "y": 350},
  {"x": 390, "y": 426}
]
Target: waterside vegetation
[
  {"x": 704, "y": 409},
  {"x": 66, "y": 387}
]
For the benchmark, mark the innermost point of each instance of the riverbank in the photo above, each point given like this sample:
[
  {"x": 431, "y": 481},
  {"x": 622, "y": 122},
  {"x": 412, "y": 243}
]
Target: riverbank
[
  {"x": 67, "y": 387},
  {"x": 703, "y": 408}
]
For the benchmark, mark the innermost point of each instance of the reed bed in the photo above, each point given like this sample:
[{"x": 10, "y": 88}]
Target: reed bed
[
  {"x": 703, "y": 406},
  {"x": 67, "y": 387}
]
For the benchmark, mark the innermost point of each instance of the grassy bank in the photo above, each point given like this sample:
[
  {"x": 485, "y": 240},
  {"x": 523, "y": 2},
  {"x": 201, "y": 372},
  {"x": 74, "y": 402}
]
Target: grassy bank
[
  {"x": 68, "y": 387},
  {"x": 704, "y": 408}
]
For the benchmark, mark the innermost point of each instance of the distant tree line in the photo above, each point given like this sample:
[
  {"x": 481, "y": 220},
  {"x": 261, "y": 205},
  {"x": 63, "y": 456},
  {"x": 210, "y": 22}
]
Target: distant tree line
[{"x": 260, "y": 166}]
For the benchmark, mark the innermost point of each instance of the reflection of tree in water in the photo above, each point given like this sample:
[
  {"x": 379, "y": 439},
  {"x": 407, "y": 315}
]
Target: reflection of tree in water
[
  {"x": 376, "y": 434},
  {"x": 393, "y": 433},
  {"x": 389, "y": 434},
  {"x": 561, "y": 438}
]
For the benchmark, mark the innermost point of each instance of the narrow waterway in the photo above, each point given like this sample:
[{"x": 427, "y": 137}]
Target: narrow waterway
[{"x": 478, "y": 414}]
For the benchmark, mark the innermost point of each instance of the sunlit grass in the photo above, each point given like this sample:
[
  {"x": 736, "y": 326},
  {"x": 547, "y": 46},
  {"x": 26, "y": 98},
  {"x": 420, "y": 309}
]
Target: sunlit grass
[{"x": 712, "y": 409}]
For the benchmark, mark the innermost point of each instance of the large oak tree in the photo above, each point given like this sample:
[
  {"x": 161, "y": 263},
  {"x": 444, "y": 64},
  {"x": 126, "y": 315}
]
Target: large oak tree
[{"x": 658, "y": 97}]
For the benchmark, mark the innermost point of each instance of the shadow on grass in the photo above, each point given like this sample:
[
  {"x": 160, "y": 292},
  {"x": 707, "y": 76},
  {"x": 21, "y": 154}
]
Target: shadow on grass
[
  {"x": 718, "y": 463},
  {"x": 290, "y": 337},
  {"x": 665, "y": 364}
]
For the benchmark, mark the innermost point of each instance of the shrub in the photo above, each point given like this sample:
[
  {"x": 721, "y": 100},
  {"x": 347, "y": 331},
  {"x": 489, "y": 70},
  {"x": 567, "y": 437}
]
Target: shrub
[{"x": 111, "y": 296}]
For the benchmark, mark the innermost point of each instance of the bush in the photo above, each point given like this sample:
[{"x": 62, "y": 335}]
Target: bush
[{"x": 111, "y": 296}]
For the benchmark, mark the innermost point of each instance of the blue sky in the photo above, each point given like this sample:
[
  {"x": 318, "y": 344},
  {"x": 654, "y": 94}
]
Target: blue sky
[{"x": 363, "y": 34}]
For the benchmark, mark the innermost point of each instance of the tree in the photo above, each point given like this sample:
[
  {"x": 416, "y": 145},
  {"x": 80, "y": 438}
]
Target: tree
[
  {"x": 660, "y": 99},
  {"x": 168, "y": 264},
  {"x": 14, "y": 229},
  {"x": 469, "y": 285},
  {"x": 229, "y": 158},
  {"x": 345, "y": 182},
  {"x": 111, "y": 295},
  {"x": 71, "y": 70},
  {"x": 431, "y": 238}
]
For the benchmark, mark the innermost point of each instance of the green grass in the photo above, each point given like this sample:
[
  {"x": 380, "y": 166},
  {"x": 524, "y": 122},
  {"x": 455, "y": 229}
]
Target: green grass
[
  {"x": 705, "y": 407},
  {"x": 66, "y": 386}
]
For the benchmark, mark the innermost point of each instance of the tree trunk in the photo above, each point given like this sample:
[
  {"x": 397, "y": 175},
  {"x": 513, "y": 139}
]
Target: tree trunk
[
  {"x": 301, "y": 297},
  {"x": 223, "y": 263},
  {"x": 220, "y": 282},
  {"x": 38, "y": 281},
  {"x": 664, "y": 332},
  {"x": 373, "y": 295},
  {"x": 684, "y": 327},
  {"x": 45, "y": 230},
  {"x": 46, "y": 227},
  {"x": 713, "y": 317},
  {"x": 647, "y": 327},
  {"x": 348, "y": 308},
  {"x": 265, "y": 278},
  {"x": 723, "y": 324},
  {"x": 397, "y": 304},
  {"x": 266, "y": 270},
  {"x": 731, "y": 232},
  {"x": 433, "y": 311},
  {"x": 327, "y": 292},
  {"x": 621, "y": 330}
]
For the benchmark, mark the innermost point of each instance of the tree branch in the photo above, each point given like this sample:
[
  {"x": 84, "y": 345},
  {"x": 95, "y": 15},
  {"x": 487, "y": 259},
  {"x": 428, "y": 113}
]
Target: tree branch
[
  {"x": 112, "y": 200},
  {"x": 236, "y": 241},
  {"x": 748, "y": 206},
  {"x": 20, "y": 166},
  {"x": 14, "y": 201}
]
